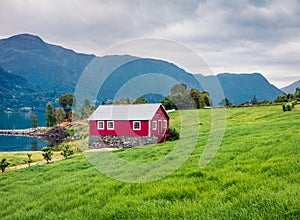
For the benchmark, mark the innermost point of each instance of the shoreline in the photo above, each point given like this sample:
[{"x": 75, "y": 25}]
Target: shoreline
[{"x": 27, "y": 132}]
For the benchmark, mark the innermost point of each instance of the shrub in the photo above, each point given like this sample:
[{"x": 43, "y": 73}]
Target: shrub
[
  {"x": 47, "y": 154},
  {"x": 67, "y": 151},
  {"x": 283, "y": 107},
  {"x": 3, "y": 165},
  {"x": 173, "y": 134},
  {"x": 70, "y": 132},
  {"x": 289, "y": 107}
]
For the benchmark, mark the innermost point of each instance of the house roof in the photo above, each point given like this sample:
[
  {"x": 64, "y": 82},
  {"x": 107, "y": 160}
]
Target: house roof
[{"x": 126, "y": 112}]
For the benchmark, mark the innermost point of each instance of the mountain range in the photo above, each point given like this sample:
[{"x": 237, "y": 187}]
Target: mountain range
[
  {"x": 34, "y": 72},
  {"x": 290, "y": 89}
]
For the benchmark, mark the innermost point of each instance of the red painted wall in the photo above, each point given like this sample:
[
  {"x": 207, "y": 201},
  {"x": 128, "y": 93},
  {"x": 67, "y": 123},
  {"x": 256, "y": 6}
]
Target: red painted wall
[
  {"x": 125, "y": 128},
  {"x": 160, "y": 115},
  {"x": 121, "y": 128}
]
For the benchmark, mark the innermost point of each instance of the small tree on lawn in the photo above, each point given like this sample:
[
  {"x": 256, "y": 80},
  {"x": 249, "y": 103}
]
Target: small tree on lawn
[
  {"x": 67, "y": 151},
  {"x": 3, "y": 165},
  {"x": 29, "y": 160},
  {"x": 47, "y": 154}
]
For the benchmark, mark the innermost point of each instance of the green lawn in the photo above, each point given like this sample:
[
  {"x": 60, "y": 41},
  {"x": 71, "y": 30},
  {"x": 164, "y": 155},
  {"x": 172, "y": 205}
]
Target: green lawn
[{"x": 254, "y": 175}]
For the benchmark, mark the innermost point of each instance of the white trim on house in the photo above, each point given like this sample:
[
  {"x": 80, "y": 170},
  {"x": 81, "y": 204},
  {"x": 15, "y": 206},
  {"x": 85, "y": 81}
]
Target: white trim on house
[
  {"x": 110, "y": 127},
  {"x": 165, "y": 124},
  {"x": 149, "y": 128},
  {"x": 154, "y": 125},
  {"x": 100, "y": 127},
  {"x": 136, "y": 128}
]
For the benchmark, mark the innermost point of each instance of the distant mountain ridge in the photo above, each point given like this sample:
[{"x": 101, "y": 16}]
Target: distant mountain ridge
[
  {"x": 290, "y": 89},
  {"x": 243, "y": 87},
  {"x": 41, "y": 72},
  {"x": 49, "y": 66}
]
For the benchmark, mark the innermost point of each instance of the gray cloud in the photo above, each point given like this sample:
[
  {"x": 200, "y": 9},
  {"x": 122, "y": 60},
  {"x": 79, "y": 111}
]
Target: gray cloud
[{"x": 233, "y": 36}]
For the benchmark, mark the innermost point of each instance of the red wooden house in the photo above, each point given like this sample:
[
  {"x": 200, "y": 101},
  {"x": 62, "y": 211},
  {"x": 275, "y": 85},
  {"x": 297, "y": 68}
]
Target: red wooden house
[{"x": 143, "y": 120}]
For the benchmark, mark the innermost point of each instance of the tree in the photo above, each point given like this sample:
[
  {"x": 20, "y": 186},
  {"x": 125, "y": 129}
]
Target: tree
[
  {"x": 254, "y": 100},
  {"x": 121, "y": 102},
  {"x": 67, "y": 151},
  {"x": 3, "y": 165},
  {"x": 201, "y": 99},
  {"x": 34, "y": 121},
  {"x": 225, "y": 102},
  {"x": 140, "y": 100},
  {"x": 47, "y": 154},
  {"x": 60, "y": 115},
  {"x": 28, "y": 160},
  {"x": 282, "y": 98},
  {"x": 50, "y": 116},
  {"x": 67, "y": 100},
  {"x": 167, "y": 103},
  {"x": 181, "y": 97},
  {"x": 87, "y": 109},
  {"x": 179, "y": 88},
  {"x": 204, "y": 99},
  {"x": 297, "y": 94}
]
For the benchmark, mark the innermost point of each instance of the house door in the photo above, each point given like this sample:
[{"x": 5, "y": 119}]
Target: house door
[{"x": 160, "y": 127}]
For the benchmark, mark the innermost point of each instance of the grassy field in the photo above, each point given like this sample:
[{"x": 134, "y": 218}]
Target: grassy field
[{"x": 254, "y": 175}]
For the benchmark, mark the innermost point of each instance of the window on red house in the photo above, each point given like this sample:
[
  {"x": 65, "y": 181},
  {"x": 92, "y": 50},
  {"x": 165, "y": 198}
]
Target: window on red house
[
  {"x": 136, "y": 125},
  {"x": 110, "y": 125}
]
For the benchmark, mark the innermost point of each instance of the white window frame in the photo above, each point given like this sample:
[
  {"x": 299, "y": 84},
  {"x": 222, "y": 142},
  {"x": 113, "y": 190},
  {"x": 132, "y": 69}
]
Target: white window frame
[
  {"x": 113, "y": 125},
  {"x": 154, "y": 128},
  {"x": 165, "y": 124},
  {"x": 103, "y": 125},
  {"x": 133, "y": 127}
]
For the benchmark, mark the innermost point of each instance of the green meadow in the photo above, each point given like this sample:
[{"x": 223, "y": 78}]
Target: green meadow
[{"x": 255, "y": 174}]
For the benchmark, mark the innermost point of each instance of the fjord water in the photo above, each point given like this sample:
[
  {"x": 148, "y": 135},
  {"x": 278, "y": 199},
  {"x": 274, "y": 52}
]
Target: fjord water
[
  {"x": 20, "y": 143},
  {"x": 20, "y": 121}
]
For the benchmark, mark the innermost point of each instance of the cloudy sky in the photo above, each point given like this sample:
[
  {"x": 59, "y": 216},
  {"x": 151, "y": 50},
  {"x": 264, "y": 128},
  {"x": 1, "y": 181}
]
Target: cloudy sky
[{"x": 231, "y": 36}]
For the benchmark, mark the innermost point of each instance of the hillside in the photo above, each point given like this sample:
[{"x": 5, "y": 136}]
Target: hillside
[
  {"x": 255, "y": 174},
  {"x": 135, "y": 76},
  {"x": 50, "y": 67},
  {"x": 53, "y": 70},
  {"x": 290, "y": 89},
  {"x": 240, "y": 88},
  {"x": 16, "y": 91}
]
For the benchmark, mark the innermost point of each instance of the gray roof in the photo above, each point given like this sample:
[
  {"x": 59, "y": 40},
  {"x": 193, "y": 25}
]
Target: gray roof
[{"x": 125, "y": 112}]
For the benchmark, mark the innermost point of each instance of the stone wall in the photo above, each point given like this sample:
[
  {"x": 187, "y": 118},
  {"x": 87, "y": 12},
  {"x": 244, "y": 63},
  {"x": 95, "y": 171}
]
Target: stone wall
[{"x": 96, "y": 142}]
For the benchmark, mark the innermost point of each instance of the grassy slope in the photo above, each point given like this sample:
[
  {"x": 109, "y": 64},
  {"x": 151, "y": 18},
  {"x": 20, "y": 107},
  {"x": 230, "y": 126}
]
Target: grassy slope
[{"x": 255, "y": 174}]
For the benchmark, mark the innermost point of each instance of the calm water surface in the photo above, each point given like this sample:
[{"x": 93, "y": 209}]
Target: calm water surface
[
  {"x": 16, "y": 143},
  {"x": 20, "y": 121}
]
